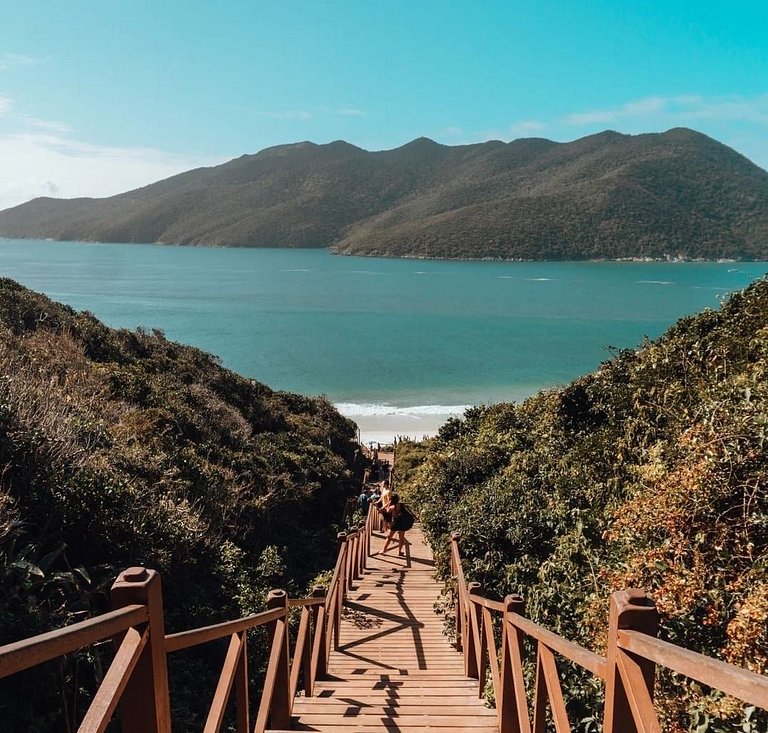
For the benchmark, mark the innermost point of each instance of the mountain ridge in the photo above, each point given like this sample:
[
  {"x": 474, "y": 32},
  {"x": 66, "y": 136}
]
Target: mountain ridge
[{"x": 603, "y": 196}]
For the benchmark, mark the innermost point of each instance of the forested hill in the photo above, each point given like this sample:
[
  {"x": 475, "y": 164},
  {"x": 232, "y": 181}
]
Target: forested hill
[
  {"x": 121, "y": 448},
  {"x": 677, "y": 193},
  {"x": 650, "y": 473}
]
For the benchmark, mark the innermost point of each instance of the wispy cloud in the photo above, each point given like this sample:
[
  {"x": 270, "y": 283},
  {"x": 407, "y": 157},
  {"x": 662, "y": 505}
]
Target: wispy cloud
[
  {"x": 289, "y": 114},
  {"x": 525, "y": 128},
  {"x": 5, "y": 105},
  {"x": 44, "y": 163},
  {"x": 350, "y": 112},
  {"x": 47, "y": 125},
  {"x": 304, "y": 115},
  {"x": 676, "y": 110},
  {"x": 11, "y": 60}
]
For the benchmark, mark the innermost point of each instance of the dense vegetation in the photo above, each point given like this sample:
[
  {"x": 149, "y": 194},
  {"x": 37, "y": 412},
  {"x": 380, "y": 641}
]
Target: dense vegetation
[
  {"x": 121, "y": 448},
  {"x": 651, "y": 473},
  {"x": 679, "y": 193}
]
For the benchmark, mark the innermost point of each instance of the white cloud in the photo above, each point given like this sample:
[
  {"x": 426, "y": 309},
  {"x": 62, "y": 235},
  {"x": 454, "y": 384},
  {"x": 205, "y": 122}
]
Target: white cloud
[
  {"x": 47, "y": 164},
  {"x": 525, "y": 128},
  {"x": 677, "y": 110},
  {"x": 287, "y": 115},
  {"x": 10, "y": 60},
  {"x": 5, "y": 105},
  {"x": 350, "y": 112},
  {"x": 48, "y": 125},
  {"x": 304, "y": 115}
]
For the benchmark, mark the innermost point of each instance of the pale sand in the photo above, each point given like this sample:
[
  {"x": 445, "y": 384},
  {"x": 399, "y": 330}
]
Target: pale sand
[{"x": 383, "y": 428}]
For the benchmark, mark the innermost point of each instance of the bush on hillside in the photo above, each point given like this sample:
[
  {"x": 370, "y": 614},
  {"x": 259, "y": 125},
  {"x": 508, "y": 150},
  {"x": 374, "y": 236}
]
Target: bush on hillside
[
  {"x": 652, "y": 473},
  {"x": 121, "y": 448}
]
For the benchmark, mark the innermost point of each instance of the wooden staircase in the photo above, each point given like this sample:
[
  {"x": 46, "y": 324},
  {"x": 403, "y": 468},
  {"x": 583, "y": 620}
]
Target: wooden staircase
[{"x": 394, "y": 669}]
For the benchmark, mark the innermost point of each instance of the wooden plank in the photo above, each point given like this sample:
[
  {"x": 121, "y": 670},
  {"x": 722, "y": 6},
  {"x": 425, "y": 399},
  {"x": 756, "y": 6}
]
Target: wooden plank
[
  {"x": 640, "y": 702},
  {"x": 224, "y": 685},
  {"x": 554, "y": 691},
  {"x": 111, "y": 689},
  {"x": 300, "y": 651},
  {"x": 395, "y": 669},
  {"x": 461, "y": 722}
]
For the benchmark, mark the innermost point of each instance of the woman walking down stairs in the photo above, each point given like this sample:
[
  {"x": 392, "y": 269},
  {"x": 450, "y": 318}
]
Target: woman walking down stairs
[{"x": 394, "y": 669}]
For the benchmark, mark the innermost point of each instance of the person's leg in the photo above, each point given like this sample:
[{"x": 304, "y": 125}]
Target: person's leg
[
  {"x": 389, "y": 539},
  {"x": 401, "y": 546}
]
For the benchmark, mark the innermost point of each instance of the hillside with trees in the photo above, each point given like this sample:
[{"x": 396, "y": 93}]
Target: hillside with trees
[
  {"x": 121, "y": 448},
  {"x": 651, "y": 472},
  {"x": 672, "y": 194}
]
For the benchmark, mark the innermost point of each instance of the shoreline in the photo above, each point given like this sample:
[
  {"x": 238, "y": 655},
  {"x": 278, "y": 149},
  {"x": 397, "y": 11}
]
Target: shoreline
[
  {"x": 383, "y": 428},
  {"x": 330, "y": 248}
]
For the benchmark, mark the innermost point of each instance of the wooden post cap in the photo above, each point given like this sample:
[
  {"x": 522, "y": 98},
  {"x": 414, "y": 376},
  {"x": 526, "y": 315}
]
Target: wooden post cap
[
  {"x": 473, "y": 587},
  {"x": 134, "y": 575},
  {"x": 319, "y": 591},
  {"x": 341, "y": 536},
  {"x": 635, "y": 609},
  {"x": 456, "y": 536},
  {"x": 514, "y": 603}
]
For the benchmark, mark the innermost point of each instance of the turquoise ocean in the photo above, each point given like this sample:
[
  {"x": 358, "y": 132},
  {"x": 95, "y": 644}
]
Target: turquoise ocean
[{"x": 379, "y": 336}]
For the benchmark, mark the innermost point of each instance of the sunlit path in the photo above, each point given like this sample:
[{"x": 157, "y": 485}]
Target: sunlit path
[{"x": 394, "y": 670}]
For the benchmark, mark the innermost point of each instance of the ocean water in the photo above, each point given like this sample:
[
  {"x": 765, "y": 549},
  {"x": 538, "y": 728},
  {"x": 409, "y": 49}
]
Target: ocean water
[{"x": 405, "y": 338}]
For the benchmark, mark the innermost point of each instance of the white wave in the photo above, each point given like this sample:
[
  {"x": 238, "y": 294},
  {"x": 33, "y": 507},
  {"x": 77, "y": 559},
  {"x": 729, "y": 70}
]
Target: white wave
[
  {"x": 655, "y": 282},
  {"x": 540, "y": 279},
  {"x": 351, "y": 409}
]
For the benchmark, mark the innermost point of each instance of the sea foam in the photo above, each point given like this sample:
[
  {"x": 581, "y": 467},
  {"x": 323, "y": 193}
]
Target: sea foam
[{"x": 367, "y": 409}]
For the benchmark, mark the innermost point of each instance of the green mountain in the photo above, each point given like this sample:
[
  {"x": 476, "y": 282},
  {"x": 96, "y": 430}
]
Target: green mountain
[
  {"x": 120, "y": 448},
  {"x": 677, "y": 193},
  {"x": 650, "y": 473}
]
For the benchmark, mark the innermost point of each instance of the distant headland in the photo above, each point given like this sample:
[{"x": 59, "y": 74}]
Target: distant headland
[{"x": 672, "y": 195}]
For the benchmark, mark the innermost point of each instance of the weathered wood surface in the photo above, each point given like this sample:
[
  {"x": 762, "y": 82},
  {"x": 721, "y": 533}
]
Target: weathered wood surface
[{"x": 394, "y": 669}]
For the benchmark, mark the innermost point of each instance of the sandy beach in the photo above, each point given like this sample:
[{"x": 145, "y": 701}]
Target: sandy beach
[{"x": 384, "y": 428}]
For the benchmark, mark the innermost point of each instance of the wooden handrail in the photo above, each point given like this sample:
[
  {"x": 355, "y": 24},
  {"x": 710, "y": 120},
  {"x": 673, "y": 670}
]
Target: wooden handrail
[
  {"x": 628, "y": 671},
  {"x": 193, "y": 637},
  {"x": 137, "y": 679},
  {"x": 590, "y": 661},
  {"x": 486, "y": 602},
  {"x": 748, "y": 686},
  {"x": 30, "y": 652},
  {"x": 302, "y": 602}
]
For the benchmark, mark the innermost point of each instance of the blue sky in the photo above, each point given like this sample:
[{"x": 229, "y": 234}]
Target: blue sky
[{"x": 100, "y": 97}]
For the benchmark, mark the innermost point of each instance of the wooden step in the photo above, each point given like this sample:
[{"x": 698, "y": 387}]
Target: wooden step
[{"x": 395, "y": 670}]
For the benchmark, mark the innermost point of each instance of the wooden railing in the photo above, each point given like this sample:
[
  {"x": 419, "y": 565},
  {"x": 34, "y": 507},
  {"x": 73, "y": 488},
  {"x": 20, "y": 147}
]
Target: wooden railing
[
  {"x": 628, "y": 671},
  {"x": 137, "y": 679}
]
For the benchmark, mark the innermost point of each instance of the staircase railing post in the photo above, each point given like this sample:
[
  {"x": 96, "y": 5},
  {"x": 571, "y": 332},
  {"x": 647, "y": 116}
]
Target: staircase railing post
[
  {"x": 354, "y": 550},
  {"x": 341, "y": 591},
  {"x": 145, "y": 703},
  {"x": 281, "y": 703},
  {"x": 363, "y": 549},
  {"x": 243, "y": 706},
  {"x": 459, "y": 600},
  {"x": 512, "y": 696},
  {"x": 474, "y": 622},
  {"x": 631, "y": 609},
  {"x": 318, "y": 667}
]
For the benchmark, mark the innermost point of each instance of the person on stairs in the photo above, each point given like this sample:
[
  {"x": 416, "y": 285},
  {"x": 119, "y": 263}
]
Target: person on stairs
[{"x": 401, "y": 522}]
